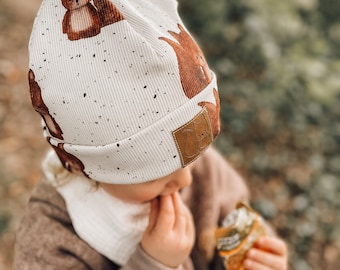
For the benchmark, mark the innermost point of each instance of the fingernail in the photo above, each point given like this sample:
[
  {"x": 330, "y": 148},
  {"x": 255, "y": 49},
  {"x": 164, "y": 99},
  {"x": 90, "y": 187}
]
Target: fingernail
[
  {"x": 251, "y": 253},
  {"x": 247, "y": 264}
]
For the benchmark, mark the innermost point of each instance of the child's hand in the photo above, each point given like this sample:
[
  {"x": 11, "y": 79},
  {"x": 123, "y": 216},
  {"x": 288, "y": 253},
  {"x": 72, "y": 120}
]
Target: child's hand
[
  {"x": 170, "y": 234},
  {"x": 267, "y": 253}
]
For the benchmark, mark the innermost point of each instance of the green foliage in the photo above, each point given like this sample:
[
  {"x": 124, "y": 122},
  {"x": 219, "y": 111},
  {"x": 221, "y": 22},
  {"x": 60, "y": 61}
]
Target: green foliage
[
  {"x": 277, "y": 63},
  {"x": 4, "y": 222}
]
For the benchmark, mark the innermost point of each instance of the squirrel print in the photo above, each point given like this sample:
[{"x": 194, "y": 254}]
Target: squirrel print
[
  {"x": 81, "y": 19},
  {"x": 194, "y": 72},
  {"x": 108, "y": 12},
  {"x": 191, "y": 62},
  {"x": 84, "y": 20},
  {"x": 69, "y": 161},
  {"x": 214, "y": 113},
  {"x": 41, "y": 108}
]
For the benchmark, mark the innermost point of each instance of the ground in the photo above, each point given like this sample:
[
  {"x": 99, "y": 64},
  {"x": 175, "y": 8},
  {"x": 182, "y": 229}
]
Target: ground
[
  {"x": 21, "y": 142},
  {"x": 292, "y": 169}
]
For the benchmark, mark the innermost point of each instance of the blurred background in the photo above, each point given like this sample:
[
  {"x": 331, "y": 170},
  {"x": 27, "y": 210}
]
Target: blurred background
[{"x": 278, "y": 67}]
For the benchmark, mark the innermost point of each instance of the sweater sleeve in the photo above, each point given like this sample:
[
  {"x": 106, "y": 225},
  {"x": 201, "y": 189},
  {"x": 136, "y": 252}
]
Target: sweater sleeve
[
  {"x": 140, "y": 260},
  {"x": 46, "y": 240}
]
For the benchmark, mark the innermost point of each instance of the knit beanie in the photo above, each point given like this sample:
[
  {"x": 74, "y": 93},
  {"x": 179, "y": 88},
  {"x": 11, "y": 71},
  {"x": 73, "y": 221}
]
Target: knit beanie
[{"x": 124, "y": 91}]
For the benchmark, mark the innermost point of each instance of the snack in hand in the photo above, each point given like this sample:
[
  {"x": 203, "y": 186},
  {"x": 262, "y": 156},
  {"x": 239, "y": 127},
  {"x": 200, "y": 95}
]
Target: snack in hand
[{"x": 240, "y": 229}]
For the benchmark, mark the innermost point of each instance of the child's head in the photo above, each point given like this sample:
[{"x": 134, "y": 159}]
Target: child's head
[{"x": 126, "y": 104}]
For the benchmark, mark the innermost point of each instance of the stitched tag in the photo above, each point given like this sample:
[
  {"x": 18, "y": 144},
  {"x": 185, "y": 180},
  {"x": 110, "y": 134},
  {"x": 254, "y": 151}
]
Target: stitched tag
[{"x": 194, "y": 137}]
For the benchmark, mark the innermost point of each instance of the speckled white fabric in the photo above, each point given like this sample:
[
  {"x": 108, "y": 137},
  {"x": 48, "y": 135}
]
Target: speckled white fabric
[{"x": 113, "y": 80}]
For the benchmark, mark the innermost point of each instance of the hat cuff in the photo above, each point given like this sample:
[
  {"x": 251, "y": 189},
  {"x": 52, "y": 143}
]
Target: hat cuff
[{"x": 144, "y": 156}]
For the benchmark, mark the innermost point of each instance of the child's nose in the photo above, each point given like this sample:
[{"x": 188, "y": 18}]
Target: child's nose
[
  {"x": 185, "y": 178},
  {"x": 181, "y": 179}
]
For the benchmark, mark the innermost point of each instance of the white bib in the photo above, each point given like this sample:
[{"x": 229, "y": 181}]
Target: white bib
[{"x": 112, "y": 227}]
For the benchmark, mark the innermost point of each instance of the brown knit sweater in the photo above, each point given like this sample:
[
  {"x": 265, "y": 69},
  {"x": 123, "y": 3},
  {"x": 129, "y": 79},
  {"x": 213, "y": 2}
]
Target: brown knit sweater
[{"x": 46, "y": 239}]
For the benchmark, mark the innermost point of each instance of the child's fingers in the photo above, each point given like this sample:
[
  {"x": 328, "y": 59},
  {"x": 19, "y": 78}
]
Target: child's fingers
[
  {"x": 189, "y": 228},
  {"x": 180, "y": 214},
  {"x": 154, "y": 209},
  {"x": 264, "y": 259},
  {"x": 183, "y": 228},
  {"x": 273, "y": 245},
  {"x": 253, "y": 265},
  {"x": 166, "y": 216}
]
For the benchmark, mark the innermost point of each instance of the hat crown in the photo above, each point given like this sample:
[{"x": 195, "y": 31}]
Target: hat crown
[{"x": 105, "y": 72}]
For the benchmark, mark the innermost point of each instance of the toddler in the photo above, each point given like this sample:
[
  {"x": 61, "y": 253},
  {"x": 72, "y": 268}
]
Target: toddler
[{"x": 130, "y": 108}]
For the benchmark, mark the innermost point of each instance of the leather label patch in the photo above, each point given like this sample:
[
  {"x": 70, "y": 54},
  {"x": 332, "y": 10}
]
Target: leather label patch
[{"x": 194, "y": 137}]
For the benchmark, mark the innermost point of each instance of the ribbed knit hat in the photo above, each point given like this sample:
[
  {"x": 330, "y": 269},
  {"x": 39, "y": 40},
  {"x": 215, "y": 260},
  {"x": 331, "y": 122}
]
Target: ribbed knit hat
[{"x": 124, "y": 91}]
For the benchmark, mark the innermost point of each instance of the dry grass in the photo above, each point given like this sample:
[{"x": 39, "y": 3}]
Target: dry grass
[{"x": 21, "y": 143}]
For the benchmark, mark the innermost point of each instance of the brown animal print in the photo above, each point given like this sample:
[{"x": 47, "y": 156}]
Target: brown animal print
[
  {"x": 193, "y": 69},
  {"x": 41, "y": 108},
  {"x": 214, "y": 113},
  {"x": 81, "y": 19},
  {"x": 194, "y": 72},
  {"x": 69, "y": 161},
  {"x": 108, "y": 12},
  {"x": 84, "y": 20}
]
